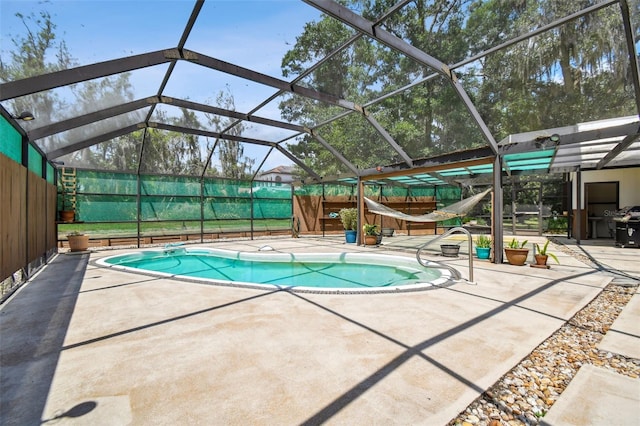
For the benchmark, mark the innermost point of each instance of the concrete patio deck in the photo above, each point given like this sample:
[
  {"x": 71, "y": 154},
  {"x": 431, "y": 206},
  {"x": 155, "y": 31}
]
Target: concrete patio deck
[{"x": 81, "y": 344}]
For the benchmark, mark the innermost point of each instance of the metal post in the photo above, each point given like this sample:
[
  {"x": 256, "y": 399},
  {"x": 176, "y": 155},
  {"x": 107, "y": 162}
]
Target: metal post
[
  {"x": 631, "y": 43},
  {"x": 251, "y": 210},
  {"x": 138, "y": 200},
  {"x": 435, "y": 200},
  {"x": 293, "y": 219},
  {"x": 202, "y": 209},
  {"x": 579, "y": 205},
  {"x": 381, "y": 216},
  {"x": 25, "y": 163},
  {"x": 496, "y": 210},
  {"x": 569, "y": 185},
  {"x": 408, "y": 210},
  {"x": 514, "y": 218},
  {"x": 322, "y": 222},
  {"x": 540, "y": 218},
  {"x": 360, "y": 201},
  {"x": 139, "y": 205}
]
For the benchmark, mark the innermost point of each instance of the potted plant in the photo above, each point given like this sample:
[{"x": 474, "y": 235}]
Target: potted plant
[
  {"x": 78, "y": 241},
  {"x": 67, "y": 207},
  {"x": 349, "y": 219},
  {"x": 370, "y": 234},
  {"x": 67, "y": 203},
  {"x": 516, "y": 252},
  {"x": 542, "y": 254},
  {"x": 483, "y": 246}
]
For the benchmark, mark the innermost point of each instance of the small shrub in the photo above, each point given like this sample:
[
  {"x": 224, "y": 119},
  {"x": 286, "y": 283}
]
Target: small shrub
[
  {"x": 515, "y": 244},
  {"x": 483, "y": 241},
  {"x": 349, "y": 218}
]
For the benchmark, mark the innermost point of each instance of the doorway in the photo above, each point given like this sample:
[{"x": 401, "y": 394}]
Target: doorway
[{"x": 601, "y": 200}]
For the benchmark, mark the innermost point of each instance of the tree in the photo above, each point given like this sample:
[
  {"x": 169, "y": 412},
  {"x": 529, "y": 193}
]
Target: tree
[
  {"x": 118, "y": 154},
  {"x": 232, "y": 161},
  {"x": 173, "y": 152},
  {"x": 28, "y": 59},
  {"x": 427, "y": 120},
  {"x": 575, "y": 72}
]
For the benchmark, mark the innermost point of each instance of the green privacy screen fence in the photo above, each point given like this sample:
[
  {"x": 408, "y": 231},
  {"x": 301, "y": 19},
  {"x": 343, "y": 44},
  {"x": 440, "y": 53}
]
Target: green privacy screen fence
[
  {"x": 152, "y": 208},
  {"x": 445, "y": 194},
  {"x": 112, "y": 205}
]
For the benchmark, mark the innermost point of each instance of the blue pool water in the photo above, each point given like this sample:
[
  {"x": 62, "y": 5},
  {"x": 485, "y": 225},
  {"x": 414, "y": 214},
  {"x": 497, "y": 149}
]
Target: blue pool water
[{"x": 349, "y": 271}]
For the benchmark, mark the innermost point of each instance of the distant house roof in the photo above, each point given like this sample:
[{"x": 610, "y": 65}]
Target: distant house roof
[{"x": 282, "y": 170}]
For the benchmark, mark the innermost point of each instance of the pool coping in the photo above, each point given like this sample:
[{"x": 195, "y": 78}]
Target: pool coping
[{"x": 446, "y": 279}]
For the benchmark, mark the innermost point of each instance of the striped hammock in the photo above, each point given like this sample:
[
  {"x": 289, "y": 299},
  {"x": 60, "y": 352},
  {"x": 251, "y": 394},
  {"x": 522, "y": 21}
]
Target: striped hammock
[{"x": 459, "y": 209}]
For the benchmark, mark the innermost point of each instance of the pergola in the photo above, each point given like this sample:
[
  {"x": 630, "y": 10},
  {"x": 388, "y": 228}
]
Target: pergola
[{"x": 63, "y": 136}]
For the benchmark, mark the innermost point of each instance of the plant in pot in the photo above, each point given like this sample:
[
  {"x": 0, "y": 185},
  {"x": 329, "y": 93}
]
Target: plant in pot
[
  {"x": 67, "y": 200},
  {"x": 516, "y": 252},
  {"x": 67, "y": 206},
  {"x": 349, "y": 219},
  {"x": 370, "y": 234},
  {"x": 543, "y": 254},
  {"x": 78, "y": 241},
  {"x": 483, "y": 246}
]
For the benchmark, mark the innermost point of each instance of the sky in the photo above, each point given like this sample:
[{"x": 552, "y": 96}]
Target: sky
[
  {"x": 254, "y": 34},
  {"x": 251, "y": 34}
]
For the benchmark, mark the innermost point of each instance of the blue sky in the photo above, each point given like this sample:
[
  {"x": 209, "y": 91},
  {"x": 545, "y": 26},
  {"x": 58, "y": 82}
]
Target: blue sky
[
  {"x": 236, "y": 31},
  {"x": 252, "y": 34}
]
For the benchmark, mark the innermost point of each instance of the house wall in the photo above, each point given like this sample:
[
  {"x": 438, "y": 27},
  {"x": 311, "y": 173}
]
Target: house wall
[
  {"x": 595, "y": 220},
  {"x": 273, "y": 177},
  {"x": 629, "y": 184}
]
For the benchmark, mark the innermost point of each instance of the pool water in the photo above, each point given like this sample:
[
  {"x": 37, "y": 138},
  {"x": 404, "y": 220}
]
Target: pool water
[{"x": 328, "y": 271}]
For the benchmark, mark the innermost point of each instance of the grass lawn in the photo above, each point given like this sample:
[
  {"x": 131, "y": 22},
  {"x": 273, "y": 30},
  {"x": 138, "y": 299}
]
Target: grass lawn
[{"x": 130, "y": 229}]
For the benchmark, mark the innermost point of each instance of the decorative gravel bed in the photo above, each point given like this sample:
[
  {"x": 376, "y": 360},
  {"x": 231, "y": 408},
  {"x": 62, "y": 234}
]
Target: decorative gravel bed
[{"x": 524, "y": 395}]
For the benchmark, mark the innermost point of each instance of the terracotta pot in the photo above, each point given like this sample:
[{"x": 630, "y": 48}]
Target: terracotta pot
[
  {"x": 371, "y": 240},
  {"x": 78, "y": 242},
  {"x": 67, "y": 215},
  {"x": 516, "y": 257},
  {"x": 541, "y": 259}
]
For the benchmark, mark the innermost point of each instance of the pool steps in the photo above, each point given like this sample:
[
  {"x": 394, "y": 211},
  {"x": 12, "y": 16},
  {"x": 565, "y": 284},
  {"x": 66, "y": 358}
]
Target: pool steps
[{"x": 174, "y": 248}]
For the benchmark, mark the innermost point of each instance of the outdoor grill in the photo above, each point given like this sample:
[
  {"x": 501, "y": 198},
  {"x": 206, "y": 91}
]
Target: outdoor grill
[{"x": 627, "y": 222}]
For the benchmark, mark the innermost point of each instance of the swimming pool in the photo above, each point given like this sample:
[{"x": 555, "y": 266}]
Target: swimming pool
[{"x": 328, "y": 272}]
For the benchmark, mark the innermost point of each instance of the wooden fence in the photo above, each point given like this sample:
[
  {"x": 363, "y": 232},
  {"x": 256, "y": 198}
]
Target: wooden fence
[
  {"x": 27, "y": 220},
  {"x": 317, "y": 214}
]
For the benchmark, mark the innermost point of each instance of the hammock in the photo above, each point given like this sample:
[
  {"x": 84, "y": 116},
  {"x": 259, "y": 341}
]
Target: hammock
[{"x": 458, "y": 209}]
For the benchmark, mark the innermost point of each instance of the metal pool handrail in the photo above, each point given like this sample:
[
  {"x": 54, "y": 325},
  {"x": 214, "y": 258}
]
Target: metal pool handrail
[{"x": 449, "y": 232}]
